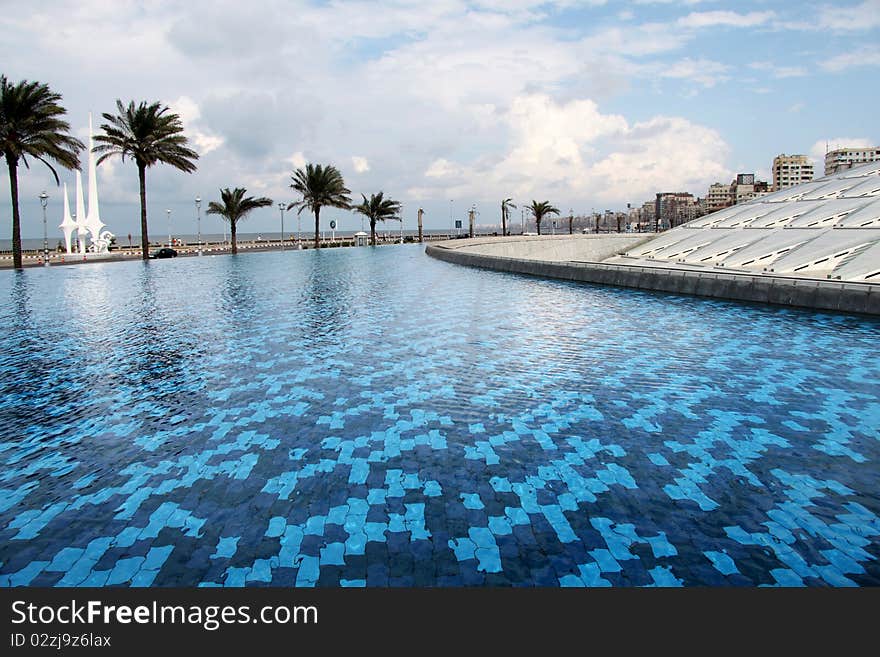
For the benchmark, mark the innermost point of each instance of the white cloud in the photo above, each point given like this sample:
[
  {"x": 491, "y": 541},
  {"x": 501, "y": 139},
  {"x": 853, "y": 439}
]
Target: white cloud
[
  {"x": 857, "y": 18},
  {"x": 779, "y": 72},
  {"x": 360, "y": 164},
  {"x": 705, "y": 72},
  {"x": 572, "y": 149},
  {"x": 796, "y": 108},
  {"x": 704, "y": 19},
  {"x": 297, "y": 160},
  {"x": 662, "y": 154},
  {"x": 203, "y": 139},
  {"x": 867, "y": 56},
  {"x": 635, "y": 40},
  {"x": 443, "y": 168}
]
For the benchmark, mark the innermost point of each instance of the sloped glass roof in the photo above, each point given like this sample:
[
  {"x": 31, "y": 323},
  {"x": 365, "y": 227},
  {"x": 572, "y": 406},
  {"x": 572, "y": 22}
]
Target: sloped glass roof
[{"x": 828, "y": 227}]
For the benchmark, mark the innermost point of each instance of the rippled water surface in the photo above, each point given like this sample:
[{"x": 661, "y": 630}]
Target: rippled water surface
[{"x": 376, "y": 417}]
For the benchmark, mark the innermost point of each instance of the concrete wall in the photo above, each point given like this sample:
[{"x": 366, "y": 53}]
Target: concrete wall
[
  {"x": 554, "y": 248},
  {"x": 803, "y": 292}
]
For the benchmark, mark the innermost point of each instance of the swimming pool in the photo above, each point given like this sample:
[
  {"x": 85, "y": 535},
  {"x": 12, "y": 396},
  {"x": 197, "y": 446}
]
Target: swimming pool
[{"x": 353, "y": 417}]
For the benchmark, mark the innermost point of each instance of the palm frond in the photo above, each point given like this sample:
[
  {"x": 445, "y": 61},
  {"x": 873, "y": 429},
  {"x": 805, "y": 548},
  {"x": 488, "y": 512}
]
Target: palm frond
[
  {"x": 149, "y": 134},
  {"x": 31, "y": 125},
  {"x": 320, "y": 186},
  {"x": 234, "y": 205}
]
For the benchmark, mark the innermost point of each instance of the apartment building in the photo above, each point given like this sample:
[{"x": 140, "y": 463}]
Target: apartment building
[
  {"x": 672, "y": 209},
  {"x": 841, "y": 159},
  {"x": 718, "y": 197},
  {"x": 790, "y": 170}
]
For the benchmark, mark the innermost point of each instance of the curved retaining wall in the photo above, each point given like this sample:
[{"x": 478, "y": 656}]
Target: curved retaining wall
[
  {"x": 555, "y": 248},
  {"x": 799, "y": 292}
]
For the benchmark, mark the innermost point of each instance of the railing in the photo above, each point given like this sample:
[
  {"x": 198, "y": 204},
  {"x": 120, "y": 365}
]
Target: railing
[{"x": 35, "y": 256}]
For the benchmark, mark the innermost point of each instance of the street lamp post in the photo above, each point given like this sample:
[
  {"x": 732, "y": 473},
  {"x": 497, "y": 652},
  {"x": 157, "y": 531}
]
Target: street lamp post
[
  {"x": 451, "y": 215},
  {"x": 281, "y": 207},
  {"x": 199, "y": 221},
  {"x": 298, "y": 231},
  {"x": 44, "y": 201},
  {"x": 169, "y": 227},
  {"x": 522, "y": 221}
]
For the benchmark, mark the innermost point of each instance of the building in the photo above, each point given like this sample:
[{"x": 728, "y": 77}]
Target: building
[
  {"x": 745, "y": 188},
  {"x": 718, "y": 197},
  {"x": 841, "y": 159},
  {"x": 672, "y": 209},
  {"x": 741, "y": 189},
  {"x": 790, "y": 170},
  {"x": 645, "y": 221}
]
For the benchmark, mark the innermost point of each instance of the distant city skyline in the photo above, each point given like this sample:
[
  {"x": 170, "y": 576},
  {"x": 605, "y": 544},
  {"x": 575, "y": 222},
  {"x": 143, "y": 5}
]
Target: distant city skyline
[{"x": 591, "y": 105}]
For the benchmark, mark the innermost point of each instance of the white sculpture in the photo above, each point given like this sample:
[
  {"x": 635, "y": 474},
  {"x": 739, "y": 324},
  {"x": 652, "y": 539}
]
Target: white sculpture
[
  {"x": 86, "y": 224},
  {"x": 68, "y": 225},
  {"x": 80, "y": 216}
]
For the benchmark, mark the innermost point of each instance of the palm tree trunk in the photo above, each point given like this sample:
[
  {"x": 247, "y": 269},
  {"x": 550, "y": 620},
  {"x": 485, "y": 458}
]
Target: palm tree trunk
[
  {"x": 503, "y": 220},
  {"x": 538, "y": 223},
  {"x": 232, "y": 226},
  {"x": 145, "y": 240},
  {"x": 317, "y": 226},
  {"x": 372, "y": 231},
  {"x": 16, "y": 218}
]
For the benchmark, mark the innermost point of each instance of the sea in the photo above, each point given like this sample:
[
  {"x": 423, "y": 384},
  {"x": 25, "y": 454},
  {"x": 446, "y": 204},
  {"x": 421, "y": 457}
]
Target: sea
[{"x": 35, "y": 244}]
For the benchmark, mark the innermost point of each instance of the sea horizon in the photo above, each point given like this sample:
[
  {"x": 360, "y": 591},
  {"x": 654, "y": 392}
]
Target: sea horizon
[{"x": 36, "y": 243}]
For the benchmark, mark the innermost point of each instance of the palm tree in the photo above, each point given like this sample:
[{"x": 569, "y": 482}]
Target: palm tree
[
  {"x": 31, "y": 125},
  {"x": 235, "y": 205},
  {"x": 148, "y": 134},
  {"x": 540, "y": 210},
  {"x": 506, "y": 205},
  {"x": 320, "y": 186},
  {"x": 378, "y": 208}
]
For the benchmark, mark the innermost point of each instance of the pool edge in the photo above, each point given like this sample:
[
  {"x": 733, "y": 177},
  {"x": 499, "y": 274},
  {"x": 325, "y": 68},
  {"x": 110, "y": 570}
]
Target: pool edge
[{"x": 815, "y": 294}]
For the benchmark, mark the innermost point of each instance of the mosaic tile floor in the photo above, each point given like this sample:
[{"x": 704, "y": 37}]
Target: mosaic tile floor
[{"x": 358, "y": 417}]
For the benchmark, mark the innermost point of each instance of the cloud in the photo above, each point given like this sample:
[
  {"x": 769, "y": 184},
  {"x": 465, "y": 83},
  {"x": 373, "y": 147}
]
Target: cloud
[
  {"x": 779, "y": 72},
  {"x": 297, "y": 160},
  {"x": 705, "y": 72},
  {"x": 635, "y": 41},
  {"x": 575, "y": 150},
  {"x": 796, "y": 108},
  {"x": 867, "y": 56},
  {"x": 360, "y": 164},
  {"x": 704, "y": 19},
  {"x": 856, "y": 18},
  {"x": 203, "y": 139}
]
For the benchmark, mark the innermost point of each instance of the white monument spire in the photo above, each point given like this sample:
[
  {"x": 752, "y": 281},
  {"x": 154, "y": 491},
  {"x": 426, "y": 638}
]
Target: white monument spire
[
  {"x": 80, "y": 216},
  {"x": 68, "y": 225},
  {"x": 93, "y": 219}
]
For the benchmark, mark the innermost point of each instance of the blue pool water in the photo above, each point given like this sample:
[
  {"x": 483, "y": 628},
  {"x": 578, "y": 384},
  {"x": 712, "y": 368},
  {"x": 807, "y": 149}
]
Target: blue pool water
[{"x": 375, "y": 417}]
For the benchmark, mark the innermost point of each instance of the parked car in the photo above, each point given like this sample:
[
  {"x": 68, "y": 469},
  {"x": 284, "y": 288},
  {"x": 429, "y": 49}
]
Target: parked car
[{"x": 164, "y": 252}]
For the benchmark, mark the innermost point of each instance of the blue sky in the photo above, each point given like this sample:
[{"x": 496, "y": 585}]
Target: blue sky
[{"x": 586, "y": 104}]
